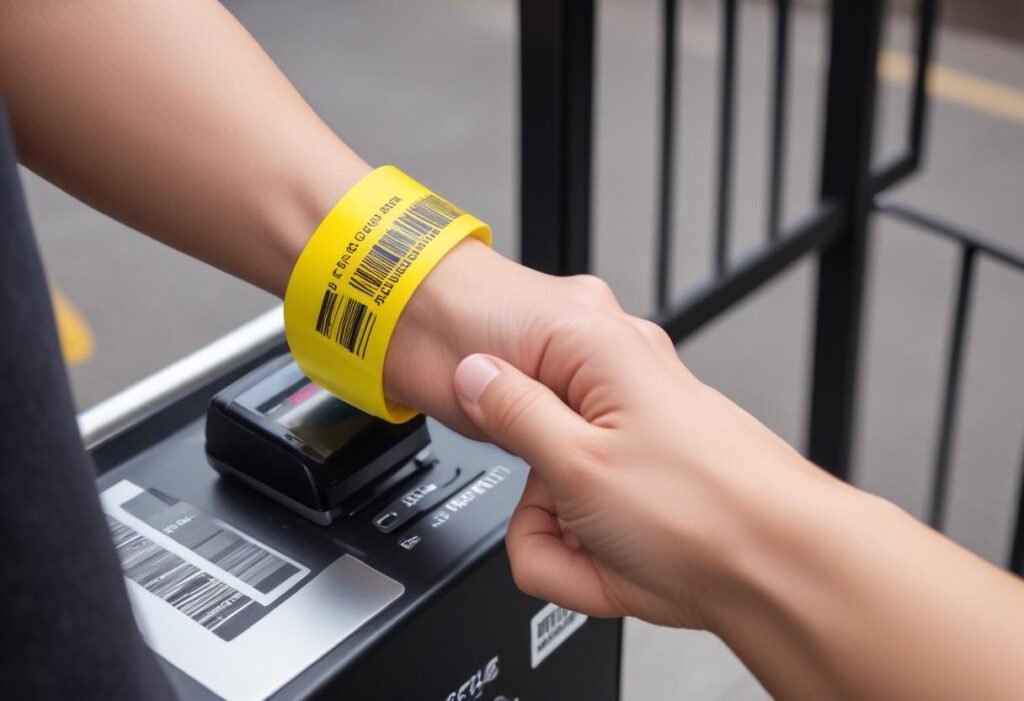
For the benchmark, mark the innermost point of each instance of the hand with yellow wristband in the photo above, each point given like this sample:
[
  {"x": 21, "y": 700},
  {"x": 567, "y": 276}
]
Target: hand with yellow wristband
[
  {"x": 346, "y": 303},
  {"x": 169, "y": 117}
]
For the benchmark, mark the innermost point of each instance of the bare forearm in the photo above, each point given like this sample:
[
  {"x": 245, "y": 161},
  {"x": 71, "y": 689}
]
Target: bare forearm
[
  {"x": 844, "y": 595},
  {"x": 171, "y": 118}
]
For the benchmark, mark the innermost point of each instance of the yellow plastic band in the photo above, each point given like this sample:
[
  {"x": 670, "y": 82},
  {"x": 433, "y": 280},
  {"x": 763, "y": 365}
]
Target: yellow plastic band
[{"x": 356, "y": 275}]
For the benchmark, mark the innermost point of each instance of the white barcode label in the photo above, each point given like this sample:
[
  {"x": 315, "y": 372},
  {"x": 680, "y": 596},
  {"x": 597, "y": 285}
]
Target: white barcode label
[
  {"x": 236, "y": 615},
  {"x": 229, "y": 555},
  {"x": 197, "y": 594},
  {"x": 549, "y": 628},
  {"x": 216, "y": 575}
]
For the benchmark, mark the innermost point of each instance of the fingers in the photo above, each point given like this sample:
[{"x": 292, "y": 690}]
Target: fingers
[
  {"x": 545, "y": 566},
  {"x": 519, "y": 414},
  {"x": 526, "y": 418}
]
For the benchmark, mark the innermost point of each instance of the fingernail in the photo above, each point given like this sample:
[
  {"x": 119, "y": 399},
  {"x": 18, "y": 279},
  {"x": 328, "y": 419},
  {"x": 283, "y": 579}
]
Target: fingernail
[{"x": 473, "y": 375}]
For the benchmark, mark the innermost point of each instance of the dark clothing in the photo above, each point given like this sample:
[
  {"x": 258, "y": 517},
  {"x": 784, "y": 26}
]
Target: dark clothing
[{"x": 68, "y": 630}]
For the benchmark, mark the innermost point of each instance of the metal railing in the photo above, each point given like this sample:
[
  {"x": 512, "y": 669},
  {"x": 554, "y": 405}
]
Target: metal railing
[
  {"x": 557, "y": 74},
  {"x": 972, "y": 248},
  {"x": 253, "y": 338}
]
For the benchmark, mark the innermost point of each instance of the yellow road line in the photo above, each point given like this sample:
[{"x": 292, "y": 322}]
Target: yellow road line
[
  {"x": 75, "y": 337},
  {"x": 956, "y": 86}
]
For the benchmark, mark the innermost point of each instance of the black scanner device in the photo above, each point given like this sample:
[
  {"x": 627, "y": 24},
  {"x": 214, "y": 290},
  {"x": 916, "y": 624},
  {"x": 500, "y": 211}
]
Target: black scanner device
[{"x": 294, "y": 442}]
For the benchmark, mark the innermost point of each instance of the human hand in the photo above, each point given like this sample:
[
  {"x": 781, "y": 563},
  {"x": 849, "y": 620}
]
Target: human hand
[
  {"x": 640, "y": 476},
  {"x": 476, "y": 301}
]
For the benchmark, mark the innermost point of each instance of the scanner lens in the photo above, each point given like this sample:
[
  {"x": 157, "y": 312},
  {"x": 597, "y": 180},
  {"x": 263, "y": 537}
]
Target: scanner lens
[{"x": 310, "y": 413}]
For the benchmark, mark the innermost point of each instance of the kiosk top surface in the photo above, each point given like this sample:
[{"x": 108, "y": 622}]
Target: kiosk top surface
[{"x": 155, "y": 474}]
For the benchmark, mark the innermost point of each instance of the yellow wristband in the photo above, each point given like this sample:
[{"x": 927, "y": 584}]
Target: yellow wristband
[{"x": 356, "y": 275}]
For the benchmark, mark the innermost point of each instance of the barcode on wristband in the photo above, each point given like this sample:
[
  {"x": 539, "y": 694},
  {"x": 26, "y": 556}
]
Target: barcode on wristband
[
  {"x": 347, "y": 321},
  {"x": 424, "y": 218},
  {"x": 198, "y": 594}
]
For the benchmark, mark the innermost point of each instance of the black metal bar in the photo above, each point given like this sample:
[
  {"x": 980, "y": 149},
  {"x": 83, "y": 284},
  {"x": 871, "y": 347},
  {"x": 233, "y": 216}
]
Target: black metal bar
[
  {"x": 927, "y": 16},
  {"x": 937, "y": 226},
  {"x": 951, "y": 391},
  {"x": 726, "y": 123},
  {"x": 899, "y": 167},
  {"x": 849, "y": 122},
  {"x": 716, "y": 295},
  {"x": 1017, "y": 547},
  {"x": 892, "y": 171},
  {"x": 777, "y": 157},
  {"x": 666, "y": 169},
  {"x": 556, "y": 96}
]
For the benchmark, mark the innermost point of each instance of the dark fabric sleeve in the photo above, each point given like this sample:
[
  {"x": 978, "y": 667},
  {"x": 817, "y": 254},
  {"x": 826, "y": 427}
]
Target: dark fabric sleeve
[{"x": 68, "y": 630}]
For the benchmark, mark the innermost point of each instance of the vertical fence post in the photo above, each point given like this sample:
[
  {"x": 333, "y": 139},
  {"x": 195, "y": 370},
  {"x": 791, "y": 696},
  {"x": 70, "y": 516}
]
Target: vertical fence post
[
  {"x": 951, "y": 391},
  {"x": 1017, "y": 546},
  {"x": 845, "y": 176},
  {"x": 556, "y": 101},
  {"x": 667, "y": 155},
  {"x": 927, "y": 19}
]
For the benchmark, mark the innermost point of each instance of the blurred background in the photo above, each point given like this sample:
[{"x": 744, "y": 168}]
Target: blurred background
[{"x": 450, "y": 119}]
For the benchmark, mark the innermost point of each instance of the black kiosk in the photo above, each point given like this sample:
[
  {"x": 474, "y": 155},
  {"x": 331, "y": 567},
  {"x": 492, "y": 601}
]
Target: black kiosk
[{"x": 330, "y": 556}]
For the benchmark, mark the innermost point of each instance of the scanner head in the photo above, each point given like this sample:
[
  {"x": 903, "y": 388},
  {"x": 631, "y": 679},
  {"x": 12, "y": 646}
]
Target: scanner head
[{"x": 296, "y": 443}]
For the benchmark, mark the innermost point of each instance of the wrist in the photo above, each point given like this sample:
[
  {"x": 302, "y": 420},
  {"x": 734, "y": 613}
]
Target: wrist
[
  {"x": 791, "y": 522},
  {"x": 748, "y": 487},
  {"x": 446, "y": 319}
]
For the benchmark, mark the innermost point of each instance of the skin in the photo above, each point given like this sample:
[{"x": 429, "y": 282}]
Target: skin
[
  {"x": 170, "y": 117},
  {"x": 652, "y": 495}
]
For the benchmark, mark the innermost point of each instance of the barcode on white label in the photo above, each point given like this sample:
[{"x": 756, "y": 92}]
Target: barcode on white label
[
  {"x": 199, "y": 595},
  {"x": 251, "y": 563},
  {"x": 549, "y": 628},
  {"x": 235, "y": 559}
]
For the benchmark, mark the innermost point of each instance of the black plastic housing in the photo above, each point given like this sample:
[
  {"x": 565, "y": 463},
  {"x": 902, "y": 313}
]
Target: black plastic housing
[{"x": 248, "y": 445}]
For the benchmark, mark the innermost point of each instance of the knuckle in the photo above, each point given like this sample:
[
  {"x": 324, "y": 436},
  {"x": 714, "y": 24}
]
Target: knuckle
[
  {"x": 594, "y": 290},
  {"x": 592, "y": 283},
  {"x": 654, "y": 333},
  {"x": 605, "y": 330}
]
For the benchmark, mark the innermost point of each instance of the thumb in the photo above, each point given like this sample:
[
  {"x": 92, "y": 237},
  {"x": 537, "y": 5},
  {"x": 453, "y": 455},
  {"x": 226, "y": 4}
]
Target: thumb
[{"x": 518, "y": 413}]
